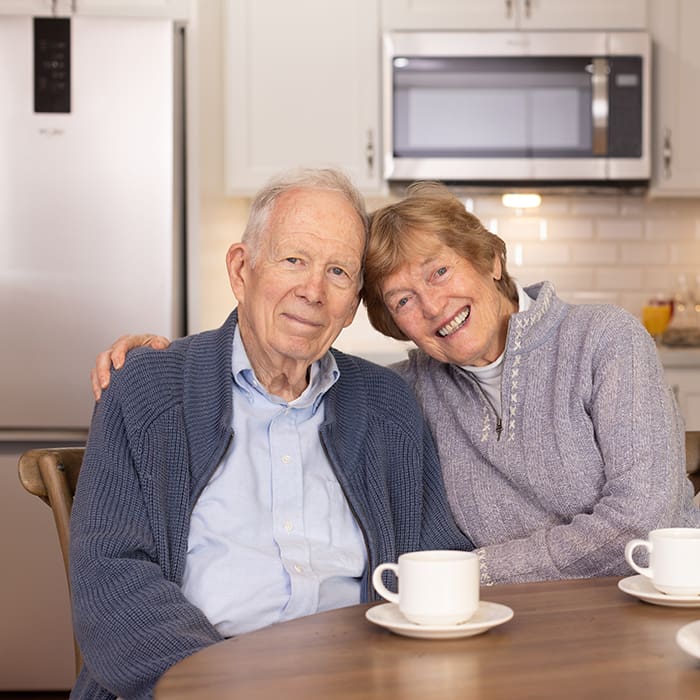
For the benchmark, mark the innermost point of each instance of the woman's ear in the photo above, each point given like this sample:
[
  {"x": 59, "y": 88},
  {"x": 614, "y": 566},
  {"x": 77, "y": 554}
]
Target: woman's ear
[{"x": 497, "y": 271}]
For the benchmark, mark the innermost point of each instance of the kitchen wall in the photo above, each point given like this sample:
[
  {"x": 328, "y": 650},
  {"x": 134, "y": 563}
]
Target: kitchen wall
[{"x": 613, "y": 248}]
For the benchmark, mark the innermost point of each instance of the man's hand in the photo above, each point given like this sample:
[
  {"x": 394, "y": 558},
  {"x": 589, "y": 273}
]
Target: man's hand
[{"x": 115, "y": 354}]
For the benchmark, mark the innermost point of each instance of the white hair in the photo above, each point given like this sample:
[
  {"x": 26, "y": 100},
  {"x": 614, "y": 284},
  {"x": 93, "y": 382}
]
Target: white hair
[{"x": 328, "y": 179}]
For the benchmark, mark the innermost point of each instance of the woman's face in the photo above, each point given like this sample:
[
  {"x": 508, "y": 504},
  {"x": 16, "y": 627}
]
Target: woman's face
[{"x": 449, "y": 309}]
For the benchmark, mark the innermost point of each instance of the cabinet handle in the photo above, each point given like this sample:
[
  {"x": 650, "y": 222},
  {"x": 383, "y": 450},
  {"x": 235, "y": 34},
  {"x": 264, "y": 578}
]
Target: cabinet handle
[
  {"x": 509, "y": 9},
  {"x": 369, "y": 152},
  {"x": 667, "y": 153},
  {"x": 527, "y": 9}
]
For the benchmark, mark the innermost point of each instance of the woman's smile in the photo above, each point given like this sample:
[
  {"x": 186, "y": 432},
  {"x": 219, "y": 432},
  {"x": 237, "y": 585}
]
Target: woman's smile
[{"x": 456, "y": 323}]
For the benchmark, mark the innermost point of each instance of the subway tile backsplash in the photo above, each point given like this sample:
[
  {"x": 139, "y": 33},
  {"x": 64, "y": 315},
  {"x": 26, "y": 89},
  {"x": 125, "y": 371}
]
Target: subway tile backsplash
[
  {"x": 618, "y": 249},
  {"x": 627, "y": 229}
]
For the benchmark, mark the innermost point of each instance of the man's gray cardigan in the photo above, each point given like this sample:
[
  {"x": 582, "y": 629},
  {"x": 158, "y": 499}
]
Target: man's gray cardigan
[{"x": 157, "y": 436}]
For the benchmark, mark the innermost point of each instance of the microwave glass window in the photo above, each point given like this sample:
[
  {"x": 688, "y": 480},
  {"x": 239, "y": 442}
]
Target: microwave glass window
[{"x": 496, "y": 107}]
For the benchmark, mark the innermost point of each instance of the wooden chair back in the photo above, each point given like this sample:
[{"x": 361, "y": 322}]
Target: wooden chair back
[{"x": 52, "y": 475}]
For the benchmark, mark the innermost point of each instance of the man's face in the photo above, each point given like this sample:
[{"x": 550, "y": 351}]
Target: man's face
[{"x": 303, "y": 288}]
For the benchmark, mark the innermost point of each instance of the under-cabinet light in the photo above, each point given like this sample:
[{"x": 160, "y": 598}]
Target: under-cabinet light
[{"x": 518, "y": 200}]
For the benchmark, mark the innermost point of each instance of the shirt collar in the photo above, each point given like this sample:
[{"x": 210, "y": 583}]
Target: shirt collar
[
  {"x": 324, "y": 373},
  {"x": 524, "y": 300}
]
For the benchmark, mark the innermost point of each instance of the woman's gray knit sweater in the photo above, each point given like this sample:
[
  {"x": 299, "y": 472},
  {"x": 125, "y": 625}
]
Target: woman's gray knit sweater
[{"x": 588, "y": 452}]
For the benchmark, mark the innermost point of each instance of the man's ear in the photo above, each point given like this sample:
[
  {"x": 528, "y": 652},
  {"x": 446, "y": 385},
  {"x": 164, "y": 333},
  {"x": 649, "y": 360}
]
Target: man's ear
[
  {"x": 351, "y": 314},
  {"x": 237, "y": 264}
]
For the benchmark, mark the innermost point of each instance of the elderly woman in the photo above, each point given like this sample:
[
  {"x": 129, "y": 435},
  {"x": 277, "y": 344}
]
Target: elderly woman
[{"x": 558, "y": 437}]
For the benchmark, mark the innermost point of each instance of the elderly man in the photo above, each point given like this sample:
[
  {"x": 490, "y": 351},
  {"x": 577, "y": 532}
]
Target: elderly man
[{"x": 250, "y": 475}]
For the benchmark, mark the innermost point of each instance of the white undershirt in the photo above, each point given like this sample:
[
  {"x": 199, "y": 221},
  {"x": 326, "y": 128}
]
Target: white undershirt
[{"x": 489, "y": 376}]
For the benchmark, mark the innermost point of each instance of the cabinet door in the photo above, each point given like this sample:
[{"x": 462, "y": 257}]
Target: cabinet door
[
  {"x": 591, "y": 14},
  {"x": 514, "y": 14},
  {"x": 37, "y": 8},
  {"x": 301, "y": 89},
  {"x": 449, "y": 14},
  {"x": 676, "y": 100},
  {"x": 175, "y": 9},
  {"x": 686, "y": 387}
]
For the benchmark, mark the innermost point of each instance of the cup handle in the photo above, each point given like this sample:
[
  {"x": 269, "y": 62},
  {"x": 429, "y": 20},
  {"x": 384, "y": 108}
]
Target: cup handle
[
  {"x": 377, "y": 582},
  {"x": 629, "y": 549}
]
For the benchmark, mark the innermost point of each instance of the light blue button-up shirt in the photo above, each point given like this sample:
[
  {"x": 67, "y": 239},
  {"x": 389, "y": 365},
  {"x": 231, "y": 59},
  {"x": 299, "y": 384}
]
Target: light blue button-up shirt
[{"x": 272, "y": 536}]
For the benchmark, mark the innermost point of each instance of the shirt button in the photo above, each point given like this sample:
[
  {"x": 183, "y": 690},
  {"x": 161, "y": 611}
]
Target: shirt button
[
  {"x": 286, "y": 459},
  {"x": 298, "y": 568},
  {"x": 288, "y": 526}
]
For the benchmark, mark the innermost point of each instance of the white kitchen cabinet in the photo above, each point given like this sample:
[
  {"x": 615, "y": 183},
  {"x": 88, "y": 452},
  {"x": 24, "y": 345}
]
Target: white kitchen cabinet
[
  {"x": 301, "y": 89},
  {"x": 175, "y": 9},
  {"x": 26, "y": 7},
  {"x": 449, "y": 14},
  {"x": 514, "y": 14},
  {"x": 676, "y": 100},
  {"x": 685, "y": 383}
]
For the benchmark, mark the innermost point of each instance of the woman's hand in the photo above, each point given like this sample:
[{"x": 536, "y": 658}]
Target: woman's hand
[{"x": 115, "y": 354}]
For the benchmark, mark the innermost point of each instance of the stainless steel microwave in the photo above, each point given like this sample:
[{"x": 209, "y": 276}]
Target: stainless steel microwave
[{"x": 517, "y": 107}]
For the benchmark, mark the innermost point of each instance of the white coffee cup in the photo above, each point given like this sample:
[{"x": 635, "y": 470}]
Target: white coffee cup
[
  {"x": 674, "y": 559},
  {"x": 438, "y": 587}
]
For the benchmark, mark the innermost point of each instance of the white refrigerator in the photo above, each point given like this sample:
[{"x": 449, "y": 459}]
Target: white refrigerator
[{"x": 92, "y": 242}]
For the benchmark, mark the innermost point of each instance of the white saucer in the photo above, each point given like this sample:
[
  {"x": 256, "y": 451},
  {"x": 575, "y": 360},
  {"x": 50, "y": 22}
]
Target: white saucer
[
  {"x": 488, "y": 615},
  {"x": 688, "y": 639},
  {"x": 641, "y": 587}
]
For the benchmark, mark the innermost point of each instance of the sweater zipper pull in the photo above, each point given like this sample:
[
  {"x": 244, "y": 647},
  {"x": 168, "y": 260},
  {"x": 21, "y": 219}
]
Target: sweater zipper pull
[{"x": 499, "y": 428}]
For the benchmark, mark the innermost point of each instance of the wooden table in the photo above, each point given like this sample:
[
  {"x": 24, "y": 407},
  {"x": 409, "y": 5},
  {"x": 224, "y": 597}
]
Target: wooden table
[{"x": 568, "y": 639}]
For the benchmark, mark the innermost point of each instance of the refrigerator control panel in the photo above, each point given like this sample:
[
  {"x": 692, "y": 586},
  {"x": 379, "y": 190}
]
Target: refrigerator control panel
[{"x": 52, "y": 64}]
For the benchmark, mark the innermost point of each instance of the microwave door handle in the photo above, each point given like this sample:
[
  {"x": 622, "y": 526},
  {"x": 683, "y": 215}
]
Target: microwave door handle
[{"x": 600, "y": 71}]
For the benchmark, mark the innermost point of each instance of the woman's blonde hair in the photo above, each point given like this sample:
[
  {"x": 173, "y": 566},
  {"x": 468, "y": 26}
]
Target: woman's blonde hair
[{"x": 428, "y": 216}]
